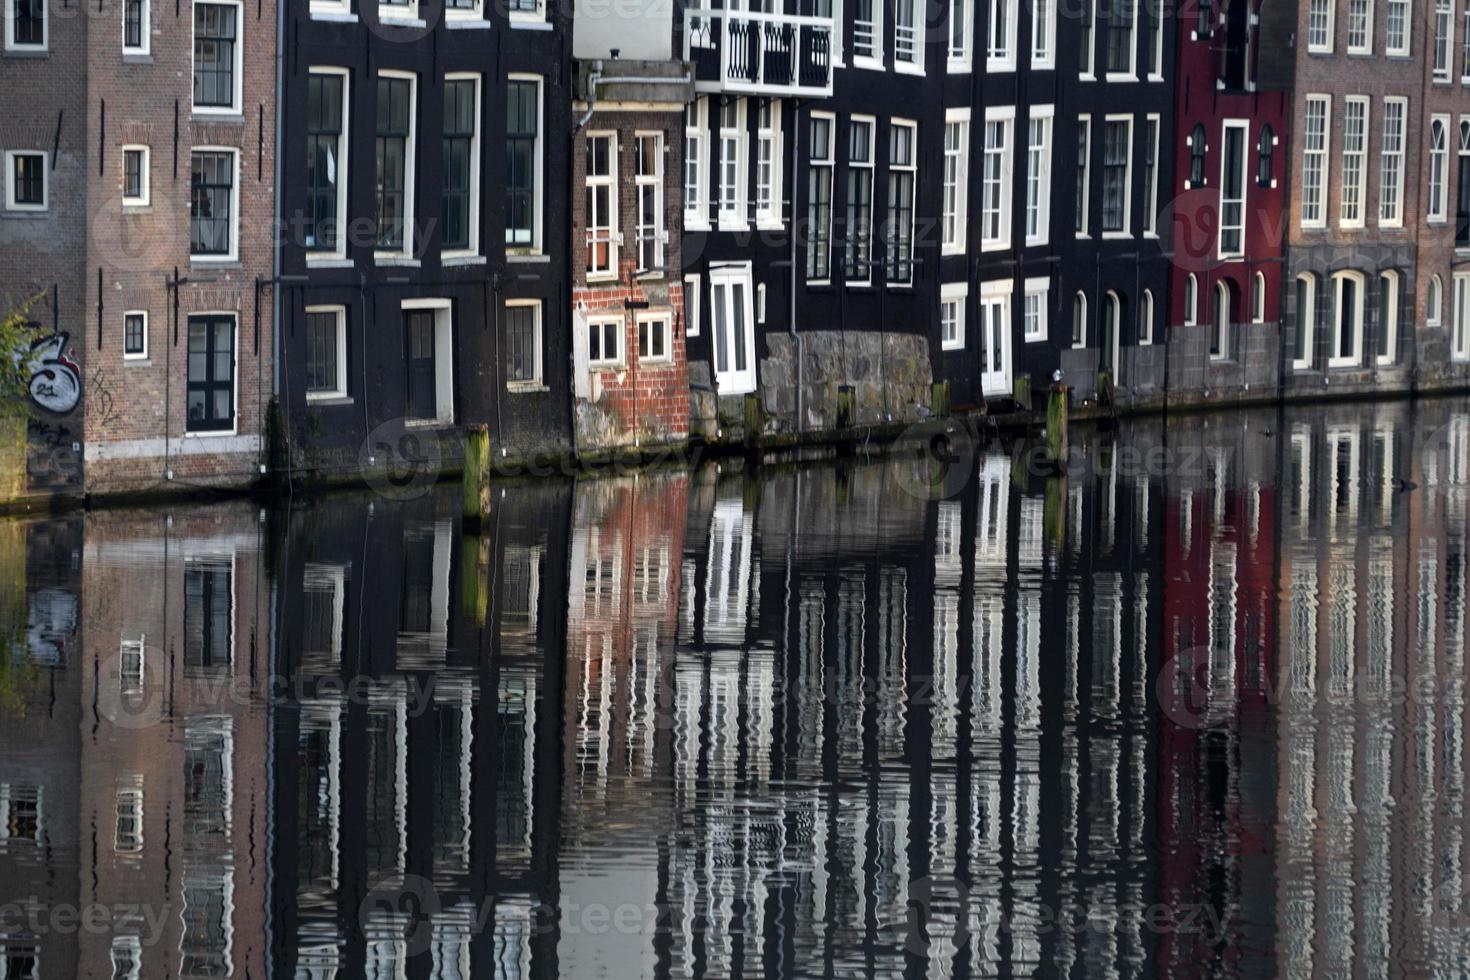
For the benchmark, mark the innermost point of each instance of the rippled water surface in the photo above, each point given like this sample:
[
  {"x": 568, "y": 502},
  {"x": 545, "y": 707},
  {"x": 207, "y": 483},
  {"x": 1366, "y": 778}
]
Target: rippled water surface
[{"x": 1192, "y": 707}]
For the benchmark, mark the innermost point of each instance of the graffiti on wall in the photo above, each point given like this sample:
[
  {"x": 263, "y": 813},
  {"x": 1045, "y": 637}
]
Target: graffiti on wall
[{"x": 56, "y": 377}]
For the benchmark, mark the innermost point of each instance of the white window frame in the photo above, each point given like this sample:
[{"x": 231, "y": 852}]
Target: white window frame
[
  {"x": 610, "y": 181},
  {"x": 1079, "y": 324},
  {"x": 768, "y": 157},
  {"x": 605, "y": 326},
  {"x": 995, "y": 300},
  {"x": 1434, "y": 302},
  {"x": 444, "y": 355},
  {"x": 1220, "y": 324},
  {"x": 476, "y": 176},
  {"x": 538, "y": 231},
  {"x": 955, "y": 178},
  {"x": 1365, "y": 35},
  {"x": 463, "y": 15},
  {"x": 1356, "y": 357},
  {"x": 1242, "y": 126},
  {"x": 1302, "y": 358},
  {"x": 537, "y": 381},
  {"x": 1146, "y": 318},
  {"x": 146, "y": 175},
  {"x": 10, "y": 42},
  {"x": 1127, "y": 230},
  {"x": 955, "y": 295},
  {"x": 1392, "y": 280},
  {"x": 530, "y": 19},
  {"x": 733, "y": 214},
  {"x": 1038, "y": 175},
  {"x": 875, "y": 29},
  {"x": 10, "y": 189},
  {"x": 958, "y": 60},
  {"x": 1037, "y": 288},
  {"x": 696, "y": 133},
  {"x": 234, "y": 253},
  {"x": 651, "y": 224},
  {"x": 1152, "y": 124},
  {"x": 1191, "y": 300},
  {"x": 651, "y": 319},
  {"x": 1159, "y": 36},
  {"x": 410, "y": 168},
  {"x": 1391, "y": 187},
  {"x": 828, "y": 165},
  {"x": 237, "y": 97},
  {"x": 145, "y": 29},
  {"x": 1355, "y": 190},
  {"x": 1044, "y": 41},
  {"x": 760, "y": 303},
  {"x": 1460, "y": 318},
  {"x": 914, "y": 63},
  {"x": 912, "y": 169},
  {"x": 1315, "y": 161},
  {"x": 332, "y": 10},
  {"x": 1001, "y": 57},
  {"x": 344, "y": 147},
  {"x": 1438, "y": 205},
  {"x": 1321, "y": 41},
  {"x": 735, "y": 382},
  {"x": 400, "y": 15},
  {"x": 870, "y": 167},
  {"x": 234, "y": 317},
  {"x": 1087, "y": 66},
  {"x": 1081, "y": 221},
  {"x": 338, "y": 391},
  {"x": 1444, "y": 38},
  {"x": 139, "y": 355},
  {"x": 1001, "y": 183},
  {"x": 1389, "y": 48},
  {"x": 1258, "y": 298},
  {"x": 1131, "y": 75}
]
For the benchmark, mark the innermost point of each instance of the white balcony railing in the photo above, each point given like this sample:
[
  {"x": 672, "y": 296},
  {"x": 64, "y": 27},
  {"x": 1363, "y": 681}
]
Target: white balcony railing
[{"x": 759, "y": 53}]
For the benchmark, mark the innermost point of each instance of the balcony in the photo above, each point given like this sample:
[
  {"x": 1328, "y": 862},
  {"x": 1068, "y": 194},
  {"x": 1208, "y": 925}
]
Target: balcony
[{"x": 753, "y": 53}]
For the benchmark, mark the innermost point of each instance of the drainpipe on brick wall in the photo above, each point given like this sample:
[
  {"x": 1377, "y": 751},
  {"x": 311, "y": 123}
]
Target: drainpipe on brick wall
[
  {"x": 277, "y": 245},
  {"x": 791, "y": 323}
]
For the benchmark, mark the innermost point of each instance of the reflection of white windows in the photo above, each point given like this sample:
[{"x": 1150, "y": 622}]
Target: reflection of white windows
[
  {"x": 1034, "y": 318},
  {"x": 132, "y": 667},
  {"x": 1305, "y": 327},
  {"x": 127, "y": 957},
  {"x": 602, "y": 205},
  {"x": 1439, "y": 165},
  {"x": 961, "y": 29},
  {"x": 696, "y": 163},
  {"x": 1233, "y": 188},
  {"x": 22, "y": 815},
  {"x": 731, "y": 538},
  {"x": 653, "y": 337},
  {"x": 1043, "y": 33},
  {"x": 1460, "y": 315},
  {"x": 1038, "y": 175},
  {"x": 768, "y": 163},
  {"x": 1354, "y": 160},
  {"x": 1315, "y": 143},
  {"x": 1388, "y": 318},
  {"x": 1391, "y": 163},
  {"x": 1342, "y": 480},
  {"x": 995, "y": 179},
  {"x": 1347, "y": 319},
  {"x": 323, "y": 601},
  {"x": 1320, "y": 17},
  {"x": 1191, "y": 300},
  {"x": 423, "y": 620},
  {"x": 1000, "y": 52},
  {"x": 952, "y": 296},
  {"x": 956, "y": 180},
  {"x": 731, "y": 318},
  {"x": 127, "y": 835},
  {"x": 604, "y": 342},
  {"x": 732, "y": 163}
]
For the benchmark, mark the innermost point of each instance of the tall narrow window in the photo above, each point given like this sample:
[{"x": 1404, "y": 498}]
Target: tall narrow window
[
  {"x": 1079, "y": 319},
  {"x": 1444, "y": 11},
  {"x": 1465, "y": 48},
  {"x": 1034, "y": 318},
  {"x": 1197, "y": 149},
  {"x": 523, "y": 164},
  {"x": 902, "y": 170},
  {"x": 1191, "y": 300},
  {"x": 1439, "y": 162},
  {"x": 135, "y": 335},
  {"x": 1460, "y": 316},
  {"x": 1347, "y": 320},
  {"x": 1354, "y": 160},
  {"x": 213, "y": 207},
  {"x": 326, "y": 161},
  {"x": 1388, "y": 318},
  {"x": 1391, "y": 164},
  {"x": 523, "y": 343},
  {"x": 211, "y": 383},
  {"x": 1306, "y": 321},
  {"x": 1265, "y": 154},
  {"x": 1396, "y": 28},
  {"x": 649, "y": 187},
  {"x": 908, "y": 49},
  {"x": 1258, "y": 298},
  {"x": 1151, "y": 175},
  {"x": 696, "y": 163},
  {"x": 960, "y": 30},
  {"x": 1146, "y": 319},
  {"x": 1083, "y": 190},
  {"x": 1088, "y": 40},
  {"x": 956, "y": 179},
  {"x": 1038, "y": 175},
  {"x": 461, "y": 164},
  {"x": 136, "y": 191},
  {"x": 602, "y": 204},
  {"x": 393, "y": 216},
  {"x": 1154, "y": 11},
  {"x": 25, "y": 25},
  {"x": 136, "y": 26},
  {"x": 1360, "y": 27},
  {"x": 1320, "y": 15},
  {"x": 995, "y": 180},
  {"x": 1434, "y": 303},
  {"x": 866, "y": 40},
  {"x": 819, "y": 197},
  {"x": 1043, "y": 33},
  {"x": 768, "y": 162},
  {"x": 1232, "y": 190},
  {"x": 1462, "y": 188},
  {"x": 25, "y": 181},
  {"x": 952, "y": 298},
  {"x": 1122, "y": 46},
  {"x": 1220, "y": 324},
  {"x": 732, "y": 163},
  {"x": 1117, "y": 160},
  {"x": 216, "y": 57},
  {"x": 1314, "y": 161},
  {"x": 858, "y": 257},
  {"x": 1000, "y": 51},
  {"x": 326, "y": 352}
]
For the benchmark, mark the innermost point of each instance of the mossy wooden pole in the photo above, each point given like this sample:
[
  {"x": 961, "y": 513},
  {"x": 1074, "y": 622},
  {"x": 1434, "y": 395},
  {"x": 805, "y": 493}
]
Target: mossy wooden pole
[
  {"x": 475, "y": 562},
  {"x": 1056, "y": 424},
  {"x": 476, "y": 480}
]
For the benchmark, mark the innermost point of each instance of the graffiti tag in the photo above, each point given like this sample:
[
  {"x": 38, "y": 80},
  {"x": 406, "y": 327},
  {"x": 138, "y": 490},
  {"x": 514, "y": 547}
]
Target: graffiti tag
[{"x": 56, "y": 377}]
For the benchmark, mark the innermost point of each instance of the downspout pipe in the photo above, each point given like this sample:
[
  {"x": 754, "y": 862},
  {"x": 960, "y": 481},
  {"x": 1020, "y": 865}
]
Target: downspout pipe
[{"x": 791, "y": 322}]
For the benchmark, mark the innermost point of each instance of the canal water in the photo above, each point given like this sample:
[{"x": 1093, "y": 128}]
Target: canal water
[{"x": 1192, "y": 706}]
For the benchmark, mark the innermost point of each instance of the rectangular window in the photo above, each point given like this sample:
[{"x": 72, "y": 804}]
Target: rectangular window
[
  {"x": 211, "y": 387},
  {"x": 733, "y": 327},
  {"x": 217, "y": 51},
  {"x": 1354, "y": 160},
  {"x": 902, "y": 174},
  {"x": 1117, "y": 183},
  {"x": 866, "y": 40},
  {"x": 523, "y": 164},
  {"x": 395, "y": 151},
  {"x": 1038, "y": 175},
  {"x": 648, "y": 187},
  {"x": 1391, "y": 164},
  {"x": 1122, "y": 42},
  {"x": 1151, "y": 175},
  {"x": 960, "y": 30},
  {"x": 1460, "y": 329},
  {"x": 1320, "y": 15},
  {"x": 732, "y": 163},
  {"x": 428, "y": 338},
  {"x": 26, "y": 177},
  {"x": 768, "y": 162},
  {"x": 461, "y": 164},
  {"x": 1444, "y": 11},
  {"x": 1347, "y": 313},
  {"x": 1043, "y": 33},
  {"x": 955, "y": 180},
  {"x": 1034, "y": 313},
  {"x": 326, "y": 352},
  {"x": 1086, "y": 34},
  {"x": 25, "y": 25},
  {"x": 696, "y": 163},
  {"x": 858, "y": 255},
  {"x": 1314, "y": 161},
  {"x": 135, "y": 176},
  {"x": 1396, "y": 25},
  {"x": 822, "y": 161},
  {"x": 602, "y": 205},
  {"x": 1360, "y": 27},
  {"x": 605, "y": 342},
  {"x": 1155, "y": 39},
  {"x": 127, "y": 835},
  {"x": 1000, "y": 52},
  {"x": 1439, "y": 164},
  {"x": 136, "y": 26},
  {"x": 398, "y": 9},
  {"x": 209, "y": 634},
  {"x": 653, "y": 337},
  {"x": 213, "y": 204},
  {"x": 952, "y": 299},
  {"x": 523, "y": 342},
  {"x": 996, "y": 169},
  {"x": 908, "y": 34},
  {"x": 1233, "y": 189},
  {"x": 1465, "y": 48},
  {"x": 326, "y": 161},
  {"x": 135, "y": 335},
  {"x": 1083, "y": 194},
  {"x": 691, "y": 306}
]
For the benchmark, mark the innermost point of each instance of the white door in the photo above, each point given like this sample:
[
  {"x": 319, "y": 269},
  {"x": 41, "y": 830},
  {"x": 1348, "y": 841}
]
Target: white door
[
  {"x": 995, "y": 344},
  {"x": 734, "y": 330}
]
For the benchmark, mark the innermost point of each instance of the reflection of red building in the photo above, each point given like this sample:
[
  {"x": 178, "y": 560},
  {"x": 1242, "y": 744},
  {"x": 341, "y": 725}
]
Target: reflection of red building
[{"x": 1219, "y": 663}]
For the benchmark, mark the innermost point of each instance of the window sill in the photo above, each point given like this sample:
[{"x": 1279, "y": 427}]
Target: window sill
[
  {"x": 224, "y": 117},
  {"x": 769, "y": 224},
  {"x": 736, "y": 226},
  {"x": 222, "y": 262},
  {"x": 606, "y": 366},
  {"x": 1120, "y": 76},
  {"x": 465, "y": 24},
  {"x": 137, "y": 207},
  {"x": 868, "y": 63},
  {"x": 957, "y": 67},
  {"x": 651, "y": 275},
  {"x": 529, "y": 25},
  {"x": 528, "y": 258},
  {"x": 428, "y": 423},
  {"x": 27, "y": 53},
  {"x": 1032, "y": 340},
  {"x": 327, "y": 401},
  {"x": 953, "y": 346},
  {"x": 329, "y": 262},
  {"x": 334, "y": 16},
  {"x": 695, "y": 224},
  {"x": 210, "y": 434},
  {"x": 137, "y": 58},
  {"x": 408, "y": 23},
  {"x": 26, "y": 213},
  {"x": 400, "y": 261},
  {"x": 908, "y": 68},
  {"x": 951, "y": 250},
  {"x": 137, "y": 360},
  {"x": 453, "y": 261},
  {"x": 1116, "y": 236},
  {"x": 525, "y": 387},
  {"x": 602, "y": 276}
]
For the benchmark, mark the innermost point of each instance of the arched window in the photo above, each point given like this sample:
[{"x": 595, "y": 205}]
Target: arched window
[
  {"x": 1107, "y": 339},
  {"x": 1439, "y": 161},
  {"x": 1191, "y": 300},
  {"x": 1258, "y": 298},
  {"x": 1305, "y": 325},
  {"x": 1434, "y": 305},
  {"x": 1079, "y": 319},
  {"x": 1220, "y": 322},
  {"x": 1347, "y": 320},
  {"x": 1264, "y": 153},
  {"x": 1146, "y": 319},
  {"x": 1388, "y": 317},
  {"x": 1197, "y": 157}
]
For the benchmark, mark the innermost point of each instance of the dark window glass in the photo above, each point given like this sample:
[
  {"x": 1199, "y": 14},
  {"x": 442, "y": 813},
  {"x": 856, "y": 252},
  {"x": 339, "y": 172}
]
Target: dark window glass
[
  {"x": 1301, "y": 327},
  {"x": 211, "y": 373},
  {"x": 900, "y": 264},
  {"x": 212, "y": 187},
  {"x": 522, "y": 124},
  {"x": 520, "y": 343},
  {"x": 422, "y": 376},
  {"x": 1206, "y": 17},
  {"x": 133, "y": 340},
  {"x": 214, "y": 55},
  {"x": 394, "y": 116},
  {"x": 1120, "y": 35},
  {"x": 857, "y": 255},
  {"x": 1115, "y": 175},
  {"x": 1265, "y": 152},
  {"x": 322, "y": 353},
  {"x": 30, "y": 179},
  {"x": 1084, "y": 141},
  {"x": 208, "y": 597},
  {"x": 1197, "y": 157},
  {"x": 132, "y": 173},
  {"x": 133, "y": 23},
  {"x": 819, "y": 198},
  {"x": 323, "y": 160},
  {"x": 30, "y": 22},
  {"x": 459, "y": 140}
]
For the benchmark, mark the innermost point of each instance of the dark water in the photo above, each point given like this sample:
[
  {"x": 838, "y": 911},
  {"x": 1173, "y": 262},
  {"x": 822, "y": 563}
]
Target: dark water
[{"x": 1194, "y": 708}]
